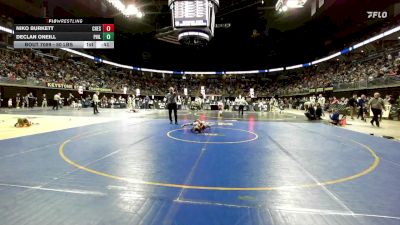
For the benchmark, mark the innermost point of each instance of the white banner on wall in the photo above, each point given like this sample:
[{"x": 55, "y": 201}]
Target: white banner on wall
[
  {"x": 252, "y": 92},
  {"x": 80, "y": 90},
  {"x": 137, "y": 92},
  {"x": 125, "y": 90}
]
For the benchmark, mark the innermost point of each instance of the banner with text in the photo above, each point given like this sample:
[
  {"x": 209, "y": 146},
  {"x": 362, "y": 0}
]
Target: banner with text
[
  {"x": 60, "y": 85},
  {"x": 100, "y": 89}
]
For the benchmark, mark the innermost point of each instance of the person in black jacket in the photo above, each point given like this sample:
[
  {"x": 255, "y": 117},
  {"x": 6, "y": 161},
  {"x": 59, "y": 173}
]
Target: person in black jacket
[
  {"x": 362, "y": 107},
  {"x": 31, "y": 100},
  {"x": 171, "y": 104},
  {"x": 310, "y": 114},
  {"x": 318, "y": 112},
  {"x": 352, "y": 103}
]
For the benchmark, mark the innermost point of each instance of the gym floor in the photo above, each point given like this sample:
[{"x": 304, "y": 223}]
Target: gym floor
[{"x": 135, "y": 168}]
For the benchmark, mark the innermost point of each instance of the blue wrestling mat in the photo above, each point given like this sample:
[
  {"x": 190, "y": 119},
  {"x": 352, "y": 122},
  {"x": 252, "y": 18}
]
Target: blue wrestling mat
[{"x": 240, "y": 171}]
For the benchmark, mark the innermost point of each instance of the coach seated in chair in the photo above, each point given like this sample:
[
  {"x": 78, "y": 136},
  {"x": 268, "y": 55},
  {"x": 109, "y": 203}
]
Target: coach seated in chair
[{"x": 310, "y": 114}]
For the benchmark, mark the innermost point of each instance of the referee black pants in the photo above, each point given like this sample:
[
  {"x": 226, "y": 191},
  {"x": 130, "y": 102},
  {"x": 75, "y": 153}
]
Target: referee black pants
[
  {"x": 55, "y": 104},
  {"x": 95, "y": 108},
  {"x": 360, "y": 113},
  {"x": 241, "y": 109},
  {"x": 173, "y": 106},
  {"x": 377, "y": 113}
]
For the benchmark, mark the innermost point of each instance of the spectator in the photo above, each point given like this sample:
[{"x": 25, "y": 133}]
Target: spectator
[
  {"x": 398, "y": 101},
  {"x": 146, "y": 102},
  {"x": 361, "y": 103},
  {"x": 10, "y": 103},
  {"x": 17, "y": 100}
]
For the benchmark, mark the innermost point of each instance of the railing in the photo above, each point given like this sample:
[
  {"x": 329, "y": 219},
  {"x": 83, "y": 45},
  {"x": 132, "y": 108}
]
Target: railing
[
  {"x": 25, "y": 82},
  {"x": 351, "y": 85},
  {"x": 388, "y": 81},
  {"x": 302, "y": 91}
]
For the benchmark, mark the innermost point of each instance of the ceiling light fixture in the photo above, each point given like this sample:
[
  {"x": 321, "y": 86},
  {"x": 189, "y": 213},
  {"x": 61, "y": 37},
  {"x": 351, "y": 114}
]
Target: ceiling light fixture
[
  {"x": 295, "y": 3},
  {"x": 284, "y": 5},
  {"x": 131, "y": 10},
  {"x": 127, "y": 11}
]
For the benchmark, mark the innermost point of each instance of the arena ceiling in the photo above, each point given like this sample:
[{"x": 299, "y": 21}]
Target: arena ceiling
[
  {"x": 260, "y": 37},
  {"x": 257, "y": 37}
]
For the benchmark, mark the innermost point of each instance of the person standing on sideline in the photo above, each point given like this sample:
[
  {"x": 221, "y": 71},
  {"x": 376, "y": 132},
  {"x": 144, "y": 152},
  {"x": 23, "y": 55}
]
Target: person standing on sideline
[
  {"x": 44, "y": 101},
  {"x": 242, "y": 103},
  {"x": 17, "y": 100},
  {"x": 361, "y": 105},
  {"x": 31, "y": 100},
  {"x": 133, "y": 102},
  {"x": 146, "y": 102},
  {"x": 10, "y": 103},
  {"x": 56, "y": 101},
  {"x": 171, "y": 104},
  {"x": 376, "y": 103},
  {"x": 26, "y": 101},
  {"x": 129, "y": 102},
  {"x": 353, "y": 106},
  {"x": 95, "y": 102},
  {"x": 321, "y": 101}
]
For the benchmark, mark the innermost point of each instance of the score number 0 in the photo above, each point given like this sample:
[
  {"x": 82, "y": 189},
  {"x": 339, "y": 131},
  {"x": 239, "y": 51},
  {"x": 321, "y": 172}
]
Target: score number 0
[{"x": 108, "y": 27}]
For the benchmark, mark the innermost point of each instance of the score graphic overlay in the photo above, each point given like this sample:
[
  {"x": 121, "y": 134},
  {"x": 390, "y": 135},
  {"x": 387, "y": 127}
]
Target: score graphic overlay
[{"x": 83, "y": 33}]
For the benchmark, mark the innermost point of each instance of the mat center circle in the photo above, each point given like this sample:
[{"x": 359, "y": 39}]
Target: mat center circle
[{"x": 215, "y": 135}]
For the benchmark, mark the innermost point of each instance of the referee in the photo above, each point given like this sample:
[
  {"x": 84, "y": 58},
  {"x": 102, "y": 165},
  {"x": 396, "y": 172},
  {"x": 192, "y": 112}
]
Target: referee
[
  {"x": 377, "y": 105},
  {"x": 171, "y": 104},
  {"x": 95, "y": 102},
  {"x": 242, "y": 103},
  {"x": 56, "y": 101}
]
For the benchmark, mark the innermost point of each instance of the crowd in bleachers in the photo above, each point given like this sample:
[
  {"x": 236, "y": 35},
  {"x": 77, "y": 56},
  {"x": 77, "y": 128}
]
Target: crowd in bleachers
[
  {"x": 39, "y": 69},
  {"x": 345, "y": 74}
]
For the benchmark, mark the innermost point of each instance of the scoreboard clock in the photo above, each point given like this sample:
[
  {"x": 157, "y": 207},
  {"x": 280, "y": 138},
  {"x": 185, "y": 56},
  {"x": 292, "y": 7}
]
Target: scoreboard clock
[{"x": 194, "y": 20}]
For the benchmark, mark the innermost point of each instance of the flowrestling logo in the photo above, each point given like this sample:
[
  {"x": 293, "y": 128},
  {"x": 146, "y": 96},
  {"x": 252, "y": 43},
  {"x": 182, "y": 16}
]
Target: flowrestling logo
[{"x": 377, "y": 14}]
